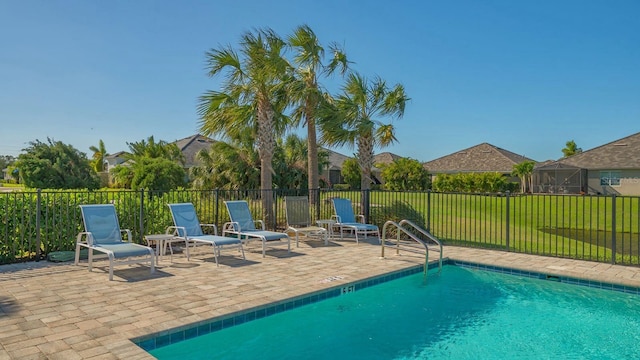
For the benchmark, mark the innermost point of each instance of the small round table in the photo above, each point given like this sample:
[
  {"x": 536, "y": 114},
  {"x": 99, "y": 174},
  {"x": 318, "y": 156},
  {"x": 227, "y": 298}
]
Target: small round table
[
  {"x": 327, "y": 224},
  {"x": 161, "y": 241}
]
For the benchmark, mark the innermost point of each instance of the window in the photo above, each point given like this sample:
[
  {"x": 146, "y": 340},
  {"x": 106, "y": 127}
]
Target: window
[{"x": 610, "y": 178}]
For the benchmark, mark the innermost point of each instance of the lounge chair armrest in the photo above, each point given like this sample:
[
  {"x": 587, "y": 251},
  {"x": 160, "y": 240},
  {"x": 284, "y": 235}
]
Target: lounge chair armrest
[
  {"x": 261, "y": 223},
  {"x": 361, "y": 218},
  {"x": 128, "y": 232},
  {"x": 179, "y": 231},
  {"x": 215, "y": 228},
  {"x": 231, "y": 226},
  {"x": 87, "y": 236},
  {"x": 336, "y": 218}
]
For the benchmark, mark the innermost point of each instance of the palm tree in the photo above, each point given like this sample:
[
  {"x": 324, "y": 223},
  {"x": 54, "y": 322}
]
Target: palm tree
[
  {"x": 152, "y": 149},
  {"x": 353, "y": 118},
  {"x": 571, "y": 148},
  {"x": 306, "y": 92},
  {"x": 253, "y": 96},
  {"x": 99, "y": 155},
  {"x": 524, "y": 171},
  {"x": 230, "y": 166}
]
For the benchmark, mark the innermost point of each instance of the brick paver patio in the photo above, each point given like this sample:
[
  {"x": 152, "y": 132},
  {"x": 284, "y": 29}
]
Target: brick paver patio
[{"x": 61, "y": 311}]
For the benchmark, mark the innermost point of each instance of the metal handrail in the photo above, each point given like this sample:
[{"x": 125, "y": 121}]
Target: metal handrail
[
  {"x": 402, "y": 229},
  {"x": 428, "y": 235}
]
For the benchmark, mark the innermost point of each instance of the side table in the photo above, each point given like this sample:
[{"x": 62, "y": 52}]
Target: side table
[
  {"x": 161, "y": 241},
  {"x": 327, "y": 224}
]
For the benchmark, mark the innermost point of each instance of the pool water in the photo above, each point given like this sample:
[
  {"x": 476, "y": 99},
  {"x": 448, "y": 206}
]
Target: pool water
[{"x": 459, "y": 314}]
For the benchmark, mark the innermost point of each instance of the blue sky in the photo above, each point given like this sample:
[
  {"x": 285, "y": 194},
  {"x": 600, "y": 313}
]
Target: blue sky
[{"x": 526, "y": 76}]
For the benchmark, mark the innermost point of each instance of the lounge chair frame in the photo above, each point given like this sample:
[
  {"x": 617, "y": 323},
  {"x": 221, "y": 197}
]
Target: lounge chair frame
[
  {"x": 299, "y": 221},
  {"x": 243, "y": 226},
  {"x": 346, "y": 220},
  {"x": 180, "y": 231},
  {"x": 118, "y": 251}
]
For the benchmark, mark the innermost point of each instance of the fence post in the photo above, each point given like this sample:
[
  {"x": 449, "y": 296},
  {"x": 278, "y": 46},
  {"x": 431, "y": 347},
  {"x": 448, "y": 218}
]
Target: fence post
[
  {"x": 613, "y": 229},
  {"x": 217, "y": 208},
  {"x": 429, "y": 210},
  {"x": 317, "y": 202},
  {"x": 507, "y": 210},
  {"x": 141, "y": 214},
  {"x": 38, "y": 239},
  {"x": 366, "y": 203}
]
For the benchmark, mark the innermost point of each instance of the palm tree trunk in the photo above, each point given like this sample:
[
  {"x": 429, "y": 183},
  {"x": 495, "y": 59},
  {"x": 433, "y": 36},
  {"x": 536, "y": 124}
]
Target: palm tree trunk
[
  {"x": 312, "y": 158},
  {"x": 266, "y": 143}
]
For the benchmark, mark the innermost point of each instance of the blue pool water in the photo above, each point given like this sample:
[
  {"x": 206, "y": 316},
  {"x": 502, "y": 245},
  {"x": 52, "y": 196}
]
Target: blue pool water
[{"x": 459, "y": 314}]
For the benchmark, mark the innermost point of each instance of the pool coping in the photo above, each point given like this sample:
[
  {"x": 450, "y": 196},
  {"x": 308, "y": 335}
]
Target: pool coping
[{"x": 166, "y": 337}]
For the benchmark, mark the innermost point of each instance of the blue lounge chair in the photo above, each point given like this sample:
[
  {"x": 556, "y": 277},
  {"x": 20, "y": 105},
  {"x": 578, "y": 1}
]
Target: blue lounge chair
[
  {"x": 299, "y": 221},
  {"x": 243, "y": 225},
  {"x": 188, "y": 228},
  {"x": 346, "y": 220},
  {"x": 102, "y": 233}
]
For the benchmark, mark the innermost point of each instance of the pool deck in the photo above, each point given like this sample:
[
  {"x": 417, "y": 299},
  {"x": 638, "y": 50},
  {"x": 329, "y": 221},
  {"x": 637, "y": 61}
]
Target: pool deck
[{"x": 62, "y": 311}]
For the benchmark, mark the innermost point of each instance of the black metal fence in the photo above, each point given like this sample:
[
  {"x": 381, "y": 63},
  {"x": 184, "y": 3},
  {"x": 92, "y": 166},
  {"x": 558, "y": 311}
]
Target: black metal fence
[{"x": 597, "y": 228}]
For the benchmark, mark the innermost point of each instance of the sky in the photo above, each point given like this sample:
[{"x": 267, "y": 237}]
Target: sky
[{"x": 525, "y": 76}]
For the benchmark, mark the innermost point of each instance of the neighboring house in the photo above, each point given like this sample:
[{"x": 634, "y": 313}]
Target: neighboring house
[
  {"x": 386, "y": 158},
  {"x": 5, "y": 174},
  {"x": 612, "y": 168},
  {"x": 481, "y": 158},
  {"x": 191, "y": 146},
  {"x": 333, "y": 172},
  {"x": 113, "y": 160}
]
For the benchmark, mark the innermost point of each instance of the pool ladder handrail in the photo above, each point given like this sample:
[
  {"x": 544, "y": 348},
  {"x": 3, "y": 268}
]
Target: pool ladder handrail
[{"x": 401, "y": 228}]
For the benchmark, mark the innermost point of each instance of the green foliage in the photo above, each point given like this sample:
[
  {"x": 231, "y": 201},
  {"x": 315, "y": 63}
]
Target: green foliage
[
  {"x": 342, "y": 186},
  {"x": 571, "y": 148},
  {"x": 524, "y": 171},
  {"x": 396, "y": 211},
  {"x": 227, "y": 166},
  {"x": 6, "y": 160},
  {"x": 157, "y": 174},
  {"x": 405, "y": 174},
  {"x": 54, "y": 165},
  {"x": 473, "y": 183},
  {"x": 351, "y": 173},
  {"x": 99, "y": 155}
]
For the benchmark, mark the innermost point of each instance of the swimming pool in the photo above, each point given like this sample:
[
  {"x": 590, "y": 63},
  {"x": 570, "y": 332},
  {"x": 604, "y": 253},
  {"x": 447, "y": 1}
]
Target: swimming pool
[{"x": 463, "y": 313}]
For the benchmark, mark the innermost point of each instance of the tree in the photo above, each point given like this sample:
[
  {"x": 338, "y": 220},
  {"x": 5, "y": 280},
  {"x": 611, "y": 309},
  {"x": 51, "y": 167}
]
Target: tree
[
  {"x": 6, "y": 160},
  {"x": 230, "y": 166},
  {"x": 351, "y": 173},
  {"x": 99, "y": 155},
  {"x": 353, "y": 119},
  {"x": 524, "y": 171},
  {"x": 54, "y": 165},
  {"x": 253, "y": 96},
  {"x": 152, "y": 149},
  {"x": 306, "y": 92},
  {"x": 405, "y": 174},
  {"x": 153, "y": 166},
  {"x": 159, "y": 174},
  {"x": 571, "y": 149}
]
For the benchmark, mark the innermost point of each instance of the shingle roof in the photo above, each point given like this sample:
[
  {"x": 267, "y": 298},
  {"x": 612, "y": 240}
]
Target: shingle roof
[
  {"x": 619, "y": 154},
  {"x": 385, "y": 158},
  {"x": 190, "y": 146},
  {"x": 480, "y": 158},
  {"x": 335, "y": 159}
]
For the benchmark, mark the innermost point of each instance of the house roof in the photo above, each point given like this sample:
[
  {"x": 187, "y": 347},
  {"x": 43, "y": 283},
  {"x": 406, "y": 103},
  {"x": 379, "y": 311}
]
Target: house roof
[
  {"x": 619, "y": 154},
  {"x": 190, "y": 146},
  {"x": 335, "y": 159},
  {"x": 480, "y": 158},
  {"x": 386, "y": 158},
  {"x": 119, "y": 154}
]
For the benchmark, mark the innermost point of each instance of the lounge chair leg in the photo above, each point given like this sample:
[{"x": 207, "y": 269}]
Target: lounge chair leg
[
  {"x": 153, "y": 264},
  {"x": 110, "y": 267}
]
